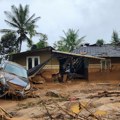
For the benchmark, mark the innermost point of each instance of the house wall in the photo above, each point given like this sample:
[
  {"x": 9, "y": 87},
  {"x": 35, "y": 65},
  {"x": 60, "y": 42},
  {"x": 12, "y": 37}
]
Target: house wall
[
  {"x": 51, "y": 68},
  {"x": 53, "y": 64},
  {"x": 95, "y": 72}
]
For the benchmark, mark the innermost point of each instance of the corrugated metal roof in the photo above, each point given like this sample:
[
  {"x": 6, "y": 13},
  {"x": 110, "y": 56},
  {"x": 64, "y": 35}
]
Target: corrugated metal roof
[{"x": 99, "y": 51}]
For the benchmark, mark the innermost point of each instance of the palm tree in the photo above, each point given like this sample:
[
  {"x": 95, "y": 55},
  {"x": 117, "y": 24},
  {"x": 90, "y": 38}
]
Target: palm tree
[
  {"x": 115, "y": 38},
  {"x": 70, "y": 42},
  {"x": 23, "y": 24}
]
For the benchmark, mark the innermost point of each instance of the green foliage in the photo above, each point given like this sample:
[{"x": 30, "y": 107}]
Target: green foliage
[
  {"x": 23, "y": 24},
  {"x": 34, "y": 47},
  {"x": 115, "y": 38},
  {"x": 8, "y": 43},
  {"x": 70, "y": 42},
  {"x": 60, "y": 45},
  {"x": 100, "y": 42},
  {"x": 41, "y": 44}
]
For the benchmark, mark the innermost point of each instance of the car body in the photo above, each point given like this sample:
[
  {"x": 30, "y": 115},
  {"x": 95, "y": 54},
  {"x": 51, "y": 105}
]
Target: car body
[{"x": 13, "y": 79}]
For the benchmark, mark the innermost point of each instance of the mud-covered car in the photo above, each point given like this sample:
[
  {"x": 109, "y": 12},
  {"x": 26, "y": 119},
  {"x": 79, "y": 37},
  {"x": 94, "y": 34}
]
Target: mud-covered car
[{"x": 13, "y": 79}]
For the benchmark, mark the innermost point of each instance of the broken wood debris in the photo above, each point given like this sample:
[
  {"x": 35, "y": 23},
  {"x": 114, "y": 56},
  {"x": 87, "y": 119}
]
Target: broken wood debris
[
  {"x": 4, "y": 115},
  {"x": 106, "y": 94}
]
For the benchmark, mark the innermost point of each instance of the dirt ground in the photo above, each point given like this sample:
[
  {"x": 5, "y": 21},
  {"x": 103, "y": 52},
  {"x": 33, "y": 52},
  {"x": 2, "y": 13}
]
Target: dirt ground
[{"x": 73, "y": 100}]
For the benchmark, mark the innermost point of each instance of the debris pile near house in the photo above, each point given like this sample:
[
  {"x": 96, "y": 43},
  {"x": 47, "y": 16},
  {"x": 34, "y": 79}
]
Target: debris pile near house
[
  {"x": 38, "y": 79},
  {"x": 38, "y": 75},
  {"x": 45, "y": 76}
]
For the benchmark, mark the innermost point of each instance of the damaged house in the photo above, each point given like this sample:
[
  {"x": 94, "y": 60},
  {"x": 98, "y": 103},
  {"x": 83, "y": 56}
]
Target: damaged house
[
  {"x": 105, "y": 69},
  {"x": 30, "y": 59},
  {"x": 87, "y": 62},
  {"x": 47, "y": 63}
]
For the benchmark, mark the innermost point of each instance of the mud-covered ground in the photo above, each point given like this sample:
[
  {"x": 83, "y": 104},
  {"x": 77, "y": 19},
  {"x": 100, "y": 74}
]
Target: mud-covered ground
[{"x": 76, "y": 100}]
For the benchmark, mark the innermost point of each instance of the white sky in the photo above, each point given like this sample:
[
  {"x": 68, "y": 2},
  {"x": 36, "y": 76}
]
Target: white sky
[{"x": 95, "y": 19}]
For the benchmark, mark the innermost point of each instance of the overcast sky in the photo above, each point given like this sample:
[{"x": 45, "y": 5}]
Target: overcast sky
[{"x": 95, "y": 19}]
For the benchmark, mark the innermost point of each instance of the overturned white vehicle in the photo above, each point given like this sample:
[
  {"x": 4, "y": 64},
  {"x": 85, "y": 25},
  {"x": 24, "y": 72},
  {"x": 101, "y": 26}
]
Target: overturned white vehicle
[{"x": 13, "y": 79}]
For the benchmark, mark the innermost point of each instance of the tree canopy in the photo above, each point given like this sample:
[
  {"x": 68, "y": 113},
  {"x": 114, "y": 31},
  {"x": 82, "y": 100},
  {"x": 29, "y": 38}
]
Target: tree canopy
[
  {"x": 69, "y": 42},
  {"x": 8, "y": 43},
  {"x": 23, "y": 24},
  {"x": 115, "y": 38},
  {"x": 100, "y": 42},
  {"x": 41, "y": 44}
]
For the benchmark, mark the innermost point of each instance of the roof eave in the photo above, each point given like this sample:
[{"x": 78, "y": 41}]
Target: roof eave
[{"x": 78, "y": 55}]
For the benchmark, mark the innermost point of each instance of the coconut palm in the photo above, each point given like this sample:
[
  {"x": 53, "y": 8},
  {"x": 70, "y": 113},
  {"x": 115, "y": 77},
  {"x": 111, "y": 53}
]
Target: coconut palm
[
  {"x": 115, "y": 38},
  {"x": 70, "y": 42},
  {"x": 23, "y": 24}
]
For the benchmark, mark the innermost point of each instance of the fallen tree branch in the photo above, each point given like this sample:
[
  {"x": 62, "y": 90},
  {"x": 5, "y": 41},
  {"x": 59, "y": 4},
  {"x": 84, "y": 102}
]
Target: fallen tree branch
[
  {"x": 66, "y": 111},
  {"x": 50, "y": 116}
]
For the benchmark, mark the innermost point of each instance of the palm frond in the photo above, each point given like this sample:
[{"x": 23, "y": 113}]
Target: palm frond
[
  {"x": 35, "y": 20},
  {"x": 80, "y": 40},
  {"x": 41, "y": 34},
  {"x": 7, "y": 30},
  {"x": 16, "y": 22},
  {"x": 29, "y": 19},
  {"x": 21, "y": 15},
  {"x": 8, "y": 15},
  {"x": 11, "y": 24},
  {"x": 26, "y": 11},
  {"x": 16, "y": 13}
]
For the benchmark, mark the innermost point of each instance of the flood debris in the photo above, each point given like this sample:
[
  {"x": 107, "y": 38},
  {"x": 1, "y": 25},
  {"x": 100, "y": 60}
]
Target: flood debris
[
  {"x": 13, "y": 79},
  {"x": 38, "y": 79},
  {"x": 4, "y": 115},
  {"x": 58, "y": 95},
  {"x": 35, "y": 71},
  {"x": 67, "y": 102},
  {"x": 53, "y": 93},
  {"x": 106, "y": 94}
]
